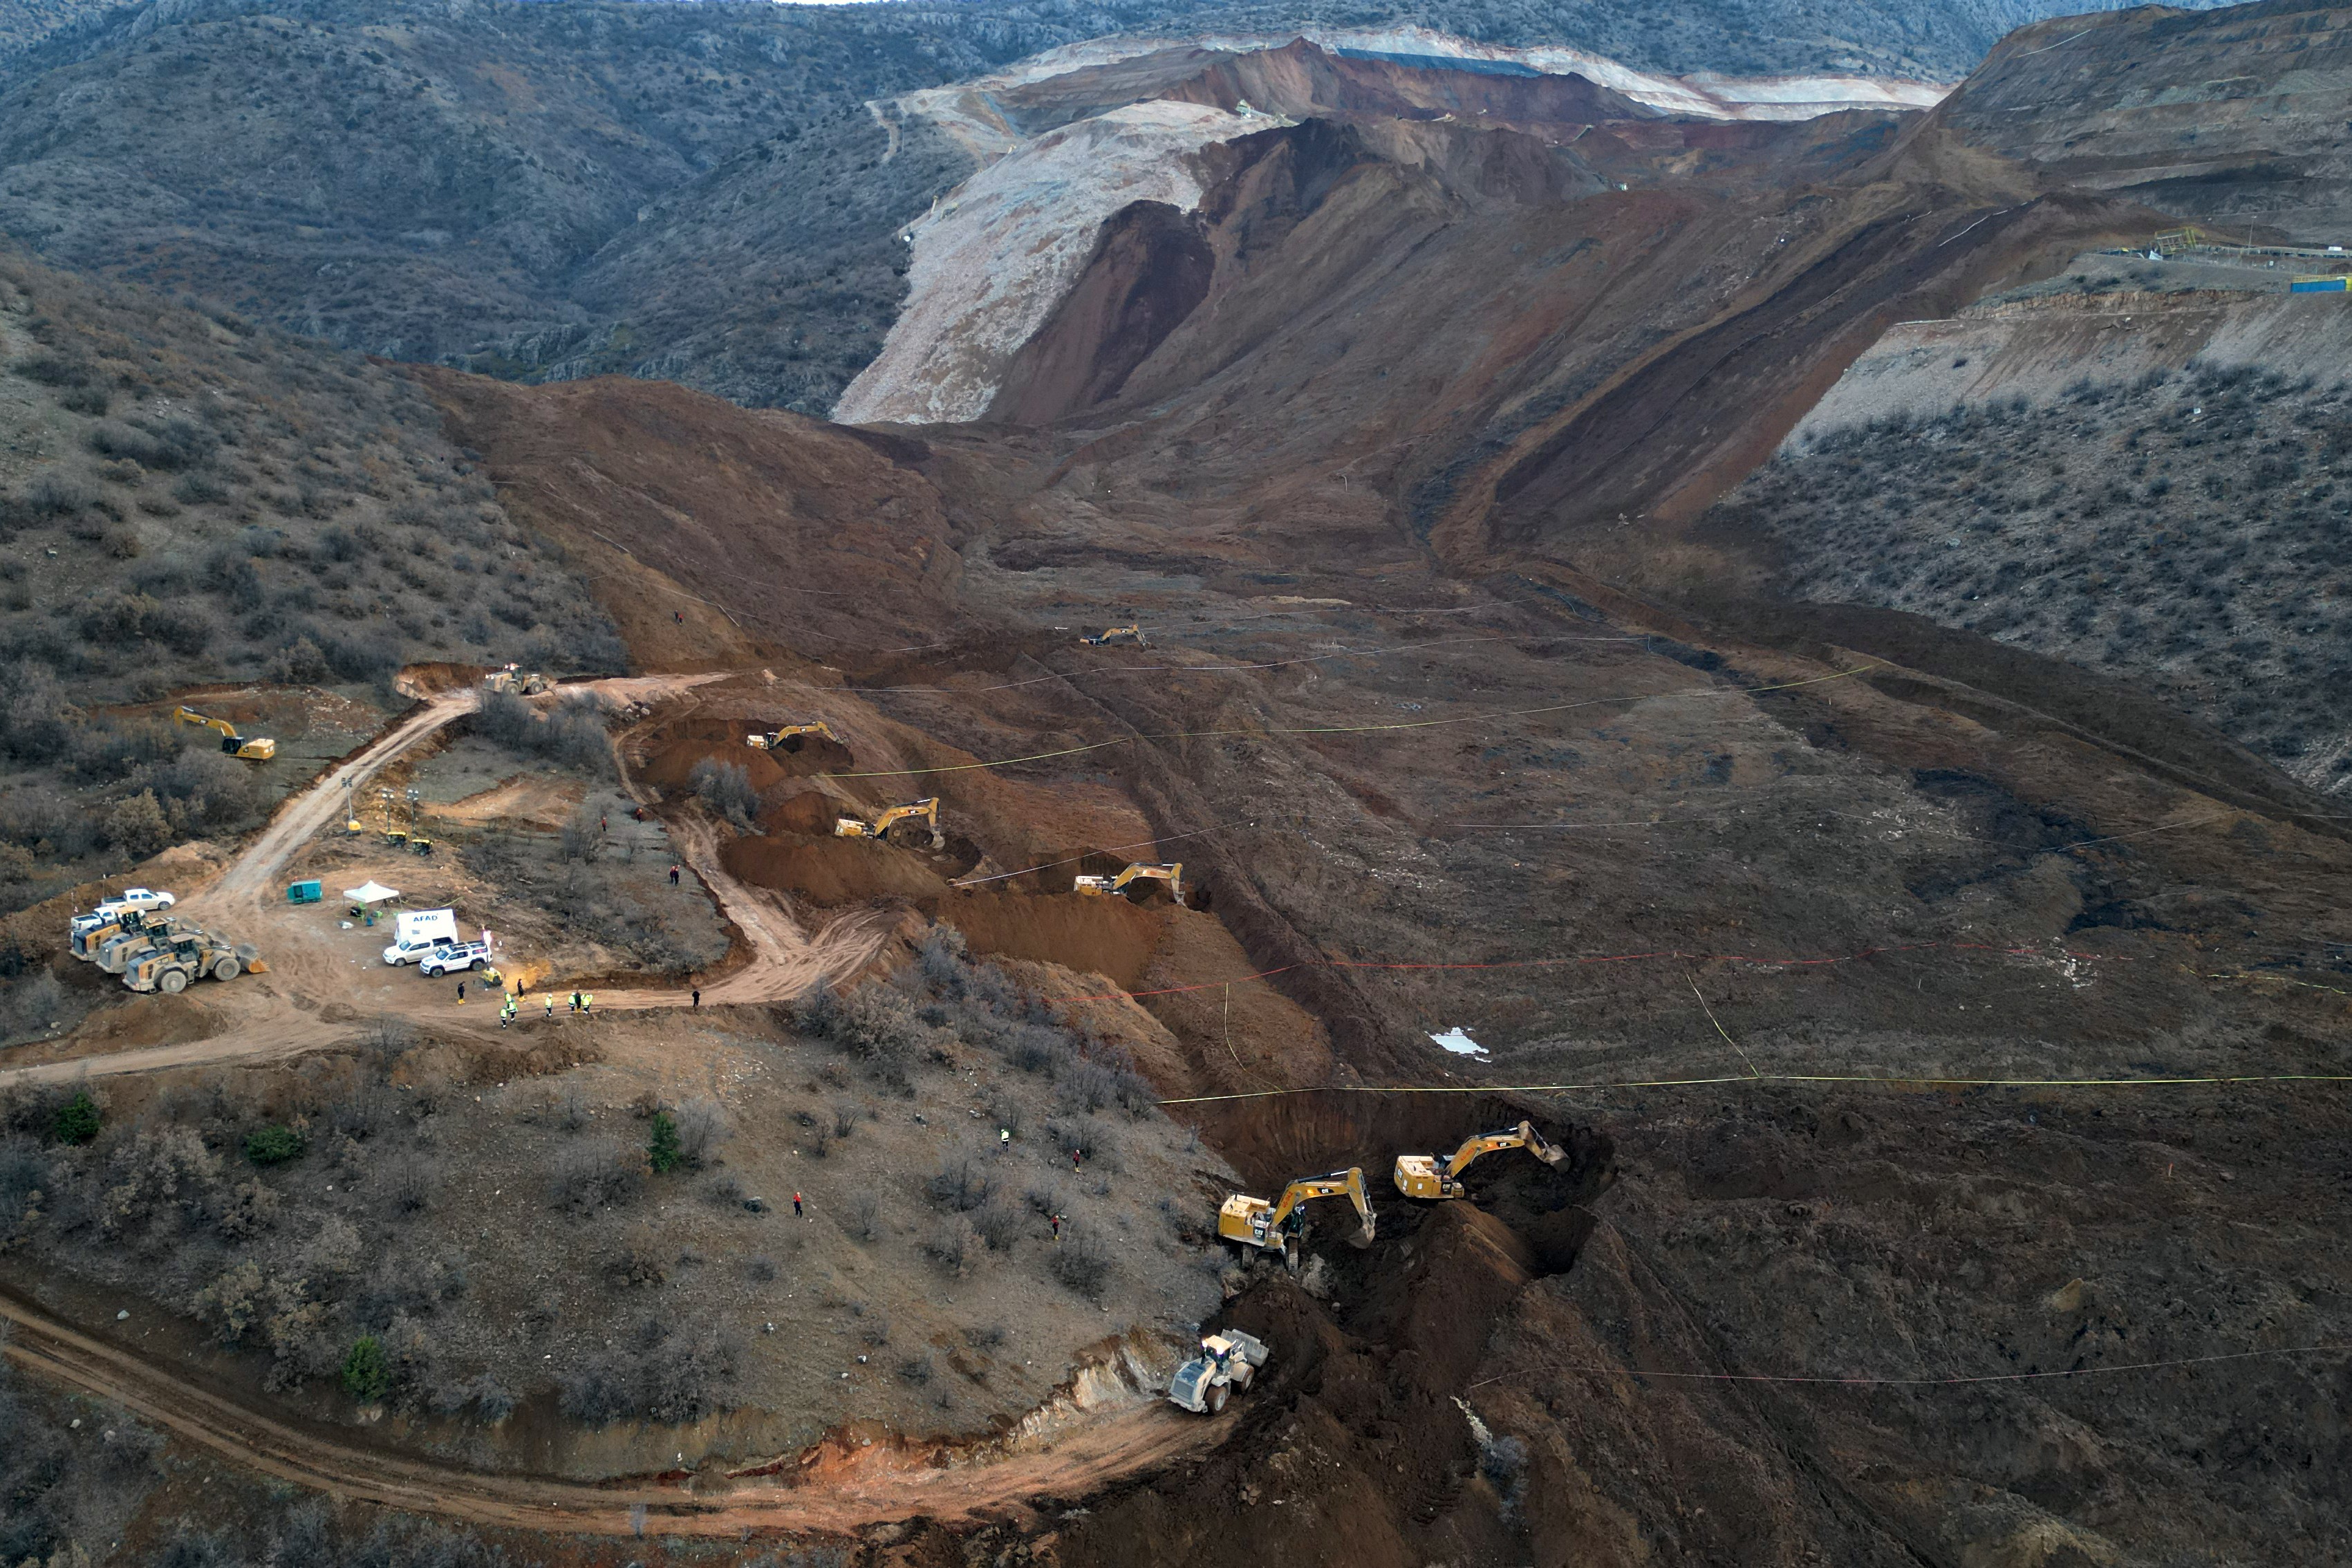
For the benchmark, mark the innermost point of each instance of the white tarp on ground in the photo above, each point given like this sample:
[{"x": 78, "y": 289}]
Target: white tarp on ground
[{"x": 372, "y": 892}]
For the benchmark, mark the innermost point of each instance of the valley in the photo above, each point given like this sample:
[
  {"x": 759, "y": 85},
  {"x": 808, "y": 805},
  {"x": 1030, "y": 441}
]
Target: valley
[{"x": 1745, "y": 620}]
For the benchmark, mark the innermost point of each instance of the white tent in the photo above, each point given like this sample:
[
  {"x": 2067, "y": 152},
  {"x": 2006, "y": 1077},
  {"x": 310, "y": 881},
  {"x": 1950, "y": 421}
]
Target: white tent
[{"x": 372, "y": 892}]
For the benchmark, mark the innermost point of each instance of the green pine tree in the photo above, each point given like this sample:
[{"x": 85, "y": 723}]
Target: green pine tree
[
  {"x": 77, "y": 1121},
  {"x": 661, "y": 1151},
  {"x": 366, "y": 1378}
]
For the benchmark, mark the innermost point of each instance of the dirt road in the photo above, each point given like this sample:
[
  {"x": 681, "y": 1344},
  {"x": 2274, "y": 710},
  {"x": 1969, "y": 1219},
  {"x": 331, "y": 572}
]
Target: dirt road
[{"x": 830, "y": 1490}]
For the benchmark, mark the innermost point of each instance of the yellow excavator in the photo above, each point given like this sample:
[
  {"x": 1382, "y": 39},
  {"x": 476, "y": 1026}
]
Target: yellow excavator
[
  {"x": 1422, "y": 1177},
  {"x": 922, "y": 810},
  {"x": 1128, "y": 633},
  {"x": 788, "y": 739},
  {"x": 1172, "y": 874},
  {"x": 1277, "y": 1226},
  {"x": 231, "y": 743}
]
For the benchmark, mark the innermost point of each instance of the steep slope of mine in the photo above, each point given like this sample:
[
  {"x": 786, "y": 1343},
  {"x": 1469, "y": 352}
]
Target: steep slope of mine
[
  {"x": 1585, "y": 778},
  {"x": 2232, "y": 118}
]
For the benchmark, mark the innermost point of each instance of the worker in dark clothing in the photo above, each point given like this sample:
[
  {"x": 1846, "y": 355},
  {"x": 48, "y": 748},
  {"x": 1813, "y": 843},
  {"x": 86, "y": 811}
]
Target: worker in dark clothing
[
  {"x": 673, "y": 875},
  {"x": 1056, "y": 1221},
  {"x": 698, "y": 999},
  {"x": 461, "y": 994},
  {"x": 575, "y": 1001}
]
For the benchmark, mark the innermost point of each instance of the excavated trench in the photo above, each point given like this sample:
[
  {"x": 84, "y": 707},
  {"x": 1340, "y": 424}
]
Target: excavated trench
[{"x": 1360, "y": 1419}]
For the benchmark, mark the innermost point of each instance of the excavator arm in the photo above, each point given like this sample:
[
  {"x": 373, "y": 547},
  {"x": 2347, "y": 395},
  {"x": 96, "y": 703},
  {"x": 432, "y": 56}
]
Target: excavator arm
[
  {"x": 1523, "y": 1136},
  {"x": 1422, "y": 1177},
  {"x": 1348, "y": 1184}
]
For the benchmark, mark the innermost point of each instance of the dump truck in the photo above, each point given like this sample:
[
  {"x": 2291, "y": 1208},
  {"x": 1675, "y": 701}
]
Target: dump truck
[
  {"x": 790, "y": 738},
  {"x": 1172, "y": 873},
  {"x": 231, "y": 743},
  {"x": 1228, "y": 1360},
  {"x": 1280, "y": 1226},
  {"x": 1425, "y": 1176},
  {"x": 189, "y": 956},
  {"x": 880, "y": 826}
]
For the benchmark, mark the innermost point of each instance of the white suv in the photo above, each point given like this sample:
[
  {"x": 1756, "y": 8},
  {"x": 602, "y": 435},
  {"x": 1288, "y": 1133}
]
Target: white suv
[{"x": 452, "y": 958}]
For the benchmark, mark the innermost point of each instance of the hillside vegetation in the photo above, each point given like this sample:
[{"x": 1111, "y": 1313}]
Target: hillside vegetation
[
  {"x": 189, "y": 499},
  {"x": 2186, "y": 531}
]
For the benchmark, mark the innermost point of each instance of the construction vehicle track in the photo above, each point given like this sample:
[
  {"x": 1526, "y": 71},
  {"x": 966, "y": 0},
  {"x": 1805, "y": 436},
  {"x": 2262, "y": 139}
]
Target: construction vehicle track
[{"x": 837, "y": 1490}]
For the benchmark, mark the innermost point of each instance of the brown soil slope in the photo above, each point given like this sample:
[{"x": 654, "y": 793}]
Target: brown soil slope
[{"x": 1434, "y": 765}]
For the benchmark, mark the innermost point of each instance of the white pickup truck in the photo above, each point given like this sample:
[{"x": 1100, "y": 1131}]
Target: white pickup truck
[
  {"x": 146, "y": 900},
  {"x": 453, "y": 958}
]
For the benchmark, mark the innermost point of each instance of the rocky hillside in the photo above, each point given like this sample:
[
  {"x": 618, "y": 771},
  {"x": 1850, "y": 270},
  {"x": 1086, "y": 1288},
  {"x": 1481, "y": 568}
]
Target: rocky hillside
[
  {"x": 2050, "y": 475},
  {"x": 192, "y": 500},
  {"x": 688, "y": 192},
  {"x": 2233, "y": 119}
]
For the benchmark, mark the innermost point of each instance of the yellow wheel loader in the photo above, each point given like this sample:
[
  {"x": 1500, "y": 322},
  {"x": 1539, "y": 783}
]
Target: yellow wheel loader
[
  {"x": 788, "y": 739},
  {"x": 515, "y": 679},
  {"x": 231, "y": 743},
  {"x": 1132, "y": 635},
  {"x": 1423, "y": 1176},
  {"x": 1227, "y": 1364},
  {"x": 915, "y": 811},
  {"x": 120, "y": 951},
  {"x": 1279, "y": 1225},
  {"x": 1171, "y": 873},
  {"x": 190, "y": 956}
]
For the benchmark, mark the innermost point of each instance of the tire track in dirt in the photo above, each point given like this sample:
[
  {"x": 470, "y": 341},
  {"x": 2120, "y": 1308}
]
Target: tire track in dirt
[{"x": 832, "y": 1488}]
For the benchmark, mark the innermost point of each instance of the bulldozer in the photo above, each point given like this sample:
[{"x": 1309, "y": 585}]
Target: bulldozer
[
  {"x": 1171, "y": 873},
  {"x": 516, "y": 680},
  {"x": 1132, "y": 634},
  {"x": 1281, "y": 1224},
  {"x": 189, "y": 955},
  {"x": 926, "y": 810},
  {"x": 1422, "y": 1175},
  {"x": 231, "y": 743},
  {"x": 788, "y": 739}
]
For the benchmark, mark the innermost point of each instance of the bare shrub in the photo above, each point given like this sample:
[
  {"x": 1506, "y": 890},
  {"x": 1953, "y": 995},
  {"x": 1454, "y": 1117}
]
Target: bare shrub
[
  {"x": 760, "y": 1268},
  {"x": 727, "y": 1190},
  {"x": 997, "y": 1222},
  {"x": 658, "y": 1373},
  {"x": 640, "y": 1260},
  {"x": 1081, "y": 1262},
  {"x": 918, "y": 1370},
  {"x": 584, "y": 837},
  {"x": 964, "y": 1180},
  {"x": 844, "y": 1118},
  {"x": 701, "y": 1128},
  {"x": 408, "y": 1182},
  {"x": 725, "y": 788},
  {"x": 864, "y": 1215},
  {"x": 876, "y": 1024},
  {"x": 595, "y": 1175},
  {"x": 953, "y": 1243}
]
